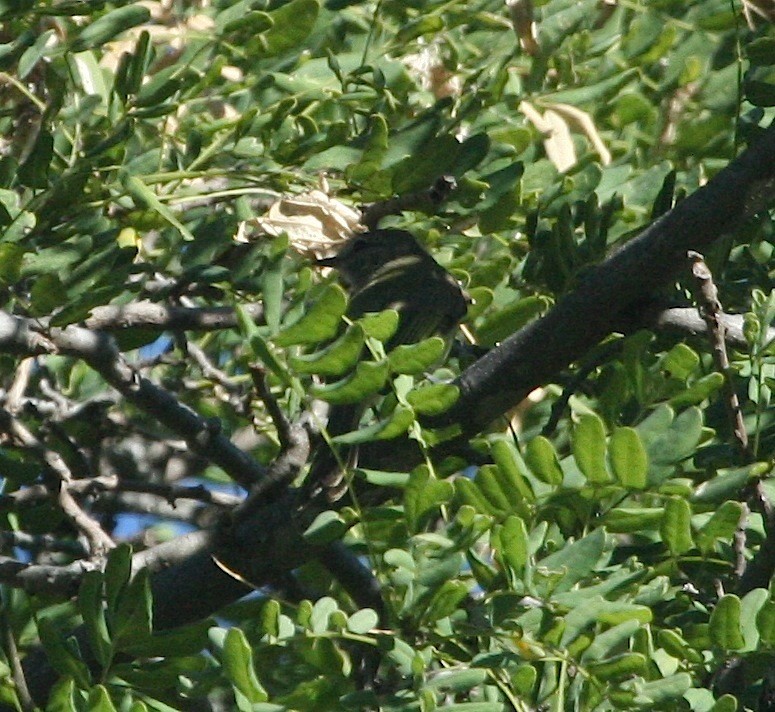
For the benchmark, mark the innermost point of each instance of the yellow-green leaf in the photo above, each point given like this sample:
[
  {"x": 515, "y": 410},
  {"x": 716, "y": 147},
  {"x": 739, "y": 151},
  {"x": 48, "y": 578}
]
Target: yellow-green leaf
[
  {"x": 369, "y": 378},
  {"x": 321, "y": 321}
]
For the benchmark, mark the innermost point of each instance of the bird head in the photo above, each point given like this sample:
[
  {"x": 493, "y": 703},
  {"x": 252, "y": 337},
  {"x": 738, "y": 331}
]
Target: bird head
[{"x": 365, "y": 255}]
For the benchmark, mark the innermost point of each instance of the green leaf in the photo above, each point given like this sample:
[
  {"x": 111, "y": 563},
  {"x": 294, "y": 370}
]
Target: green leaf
[
  {"x": 681, "y": 361},
  {"x": 328, "y": 526},
  {"x": 510, "y": 318},
  {"x": 752, "y": 603},
  {"x": 619, "y": 666},
  {"x": 628, "y": 520},
  {"x": 724, "y": 486},
  {"x": 99, "y": 700},
  {"x": 433, "y": 399},
  {"x": 720, "y": 527},
  {"x": 765, "y": 622},
  {"x": 110, "y": 25},
  {"x": 725, "y": 630},
  {"x": 130, "y": 621},
  {"x": 414, "y": 359},
  {"x": 423, "y": 495},
  {"x": 761, "y": 51},
  {"x": 512, "y": 469},
  {"x": 760, "y": 93},
  {"x": 489, "y": 484},
  {"x": 237, "y": 659},
  {"x": 612, "y": 639},
  {"x": 362, "y": 621},
  {"x": 596, "y": 609},
  {"x": 320, "y": 322},
  {"x": 577, "y": 559},
  {"x": 395, "y": 425},
  {"x": 269, "y": 619},
  {"x": 337, "y": 358},
  {"x": 445, "y": 600},
  {"x": 259, "y": 347},
  {"x": 675, "y": 645},
  {"x": 33, "y": 173},
  {"x": 628, "y": 457},
  {"x": 675, "y": 442},
  {"x": 668, "y": 688},
  {"x": 676, "y": 527},
  {"x": 291, "y": 24},
  {"x": 369, "y": 378},
  {"x": 62, "y": 654},
  {"x": 161, "y": 87},
  {"x": 589, "y": 448},
  {"x": 513, "y": 544},
  {"x": 322, "y": 611},
  {"x": 419, "y": 170},
  {"x": 251, "y": 23},
  {"x": 146, "y": 198},
  {"x": 701, "y": 389},
  {"x": 47, "y": 294},
  {"x": 476, "y": 707},
  {"x": 456, "y": 681},
  {"x": 725, "y": 703},
  {"x": 181, "y": 641},
  {"x": 92, "y": 609},
  {"x": 593, "y": 92},
  {"x": 118, "y": 570},
  {"x": 380, "y": 325},
  {"x": 542, "y": 460},
  {"x": 471, "y": 494}
]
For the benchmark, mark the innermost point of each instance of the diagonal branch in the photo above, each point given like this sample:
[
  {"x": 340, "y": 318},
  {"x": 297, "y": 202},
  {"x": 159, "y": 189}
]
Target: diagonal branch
[
  {"x": 532, "y": 356},
  {"x": 20, "y": 335}
]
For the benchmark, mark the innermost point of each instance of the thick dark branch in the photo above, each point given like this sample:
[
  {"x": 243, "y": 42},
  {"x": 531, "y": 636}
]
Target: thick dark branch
[{"x": 532, "y": 356}]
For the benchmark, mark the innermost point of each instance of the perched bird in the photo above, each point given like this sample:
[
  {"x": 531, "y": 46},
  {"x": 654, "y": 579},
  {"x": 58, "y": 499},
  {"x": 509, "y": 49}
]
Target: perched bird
[{"x": 386, "y": 269}]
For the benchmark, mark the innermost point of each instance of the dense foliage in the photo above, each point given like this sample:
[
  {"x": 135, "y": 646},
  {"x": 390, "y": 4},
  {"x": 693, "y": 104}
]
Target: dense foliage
[{"x": 599, "y": 547}]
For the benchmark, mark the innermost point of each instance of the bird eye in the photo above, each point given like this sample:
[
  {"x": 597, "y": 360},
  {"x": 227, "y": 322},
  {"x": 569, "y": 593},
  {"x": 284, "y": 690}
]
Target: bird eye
[{"x": 358, "y": 244}]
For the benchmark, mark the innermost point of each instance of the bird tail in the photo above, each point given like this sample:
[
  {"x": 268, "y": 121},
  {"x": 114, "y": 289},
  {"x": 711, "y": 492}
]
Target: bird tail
[{"x": 327, "y": 471}]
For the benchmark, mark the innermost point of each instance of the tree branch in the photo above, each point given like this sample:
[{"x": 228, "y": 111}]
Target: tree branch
[
  {"x": 149, "y": 315},
  {"x": 532, "y": 356},
  {"x": 19, "y": 335}
]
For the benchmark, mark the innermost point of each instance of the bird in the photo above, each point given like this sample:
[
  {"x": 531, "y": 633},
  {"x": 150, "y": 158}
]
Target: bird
[{"x": 385, "y": 269}]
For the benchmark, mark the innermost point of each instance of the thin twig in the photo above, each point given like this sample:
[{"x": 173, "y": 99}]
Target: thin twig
[
  {"x": 44, "y": 578},
  {"x": 281, "y": 422},
  {"x": 427, "y": 201},
  {"x": 14, "y": 661},
  {"x": 42, "y": 542},
  {"x": 100, "y": 352},
  {"x": 209, "y": 370},
  {"x": 711, "y": 311},
  {"x": 13, "y": 399},
  {"x": 100, "y": 542},
  {"x": 31, "y": 496},
  {"x": 740, "y": 542}
]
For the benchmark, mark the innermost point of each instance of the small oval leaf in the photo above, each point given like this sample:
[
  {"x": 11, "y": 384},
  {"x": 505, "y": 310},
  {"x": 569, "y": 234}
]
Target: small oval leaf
[
  {"x": 320, "y": 322},
  {"x": 628, "y": 458},
  {"x": 369, "y": 378}
]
